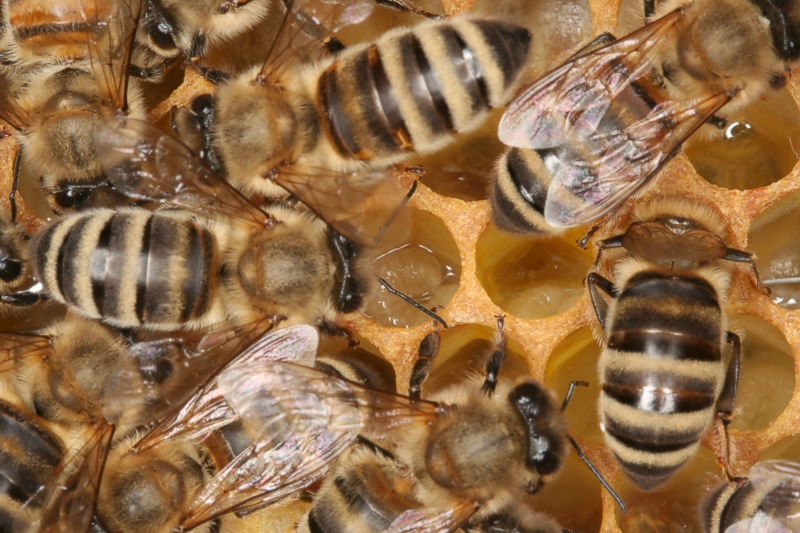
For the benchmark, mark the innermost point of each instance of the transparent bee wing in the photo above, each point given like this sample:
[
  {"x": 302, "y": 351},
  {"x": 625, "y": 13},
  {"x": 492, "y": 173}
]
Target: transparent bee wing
[
  {"x": 573, "y": 98},
  {"x": 147, "y": 164},
  {"x": 14, "y": 346},
  {"x": 433, "y": 520},
  {"x": 306, "y": 419},
  {"x": 622, "y": 160},
  {"x": 160, "y": 376},
  {"x": 207, "y": 410},
  {"x": 358, "y": 205},
  {"x": 10, "y": 110},
  {"x": 777, "y": 483},
  {"x": 655, "y": 242},
  {"x": 112, "y": 25},
  {"x": 67, "y": 501},
  {"x": 305, "y": 28}
]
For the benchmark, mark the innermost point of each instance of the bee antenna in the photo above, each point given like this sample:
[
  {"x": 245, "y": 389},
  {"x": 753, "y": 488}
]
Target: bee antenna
[
  {"x": 408, "y": 299},
  {"x": 598, "y": 475},
  {"x": 568, "y": 396},
  {"x": 400, "y": 207}
]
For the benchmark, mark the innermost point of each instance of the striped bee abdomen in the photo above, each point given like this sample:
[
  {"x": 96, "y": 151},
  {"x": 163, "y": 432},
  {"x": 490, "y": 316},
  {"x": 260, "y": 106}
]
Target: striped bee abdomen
[
  {"x": 411, "y": 90},
  {"x": 519, "y": 192},
  {"x": 662, "y": 372},
  {"x": 131, "y": 267},
  {"x": 29, "y": 456}
]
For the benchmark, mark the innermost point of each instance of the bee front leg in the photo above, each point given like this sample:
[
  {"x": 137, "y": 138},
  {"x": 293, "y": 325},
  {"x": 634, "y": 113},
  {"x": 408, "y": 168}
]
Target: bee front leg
[
  {"x": 595, "y": 281},
  {"x": 426, "y": 353}
]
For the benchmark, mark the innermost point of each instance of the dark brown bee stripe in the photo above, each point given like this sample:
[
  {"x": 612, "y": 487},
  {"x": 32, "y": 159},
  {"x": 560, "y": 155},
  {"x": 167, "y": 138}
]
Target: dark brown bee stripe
[
  {"x": 648, "y": 474},
  {"x": 339, "y": 125},
  {"x": 664, "y": 399},
  {"x": 731, "y": 508},
  {"x": 143, "y": 270},
  {"x": 356, "y": 495},
  {"x": 679, "y": 378},
  {"x": 665, "y": 344},
  {"x": 413, "y": 74},
  {"x": 314, "y": 525},
  {"x": 98, "y": 267},
  {"x": 504, "y": 41},
  {"x": 196, "y": 289},
  {"x": 654, "y": 440},
  {"x": 682, "y": 306},
  {"x": 433, "y": 85},
  {"x": 468, "y": 68},
  {"x": 69, "y": 255},
  {"x": 21, "y": 437},
  {"x": 519, "y": 192},
  {"x": 80, "y": 29},
  {"x": 388, "y": 103}
]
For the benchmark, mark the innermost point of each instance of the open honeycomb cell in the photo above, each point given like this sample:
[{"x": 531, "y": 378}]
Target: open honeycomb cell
[{"x": 457, "y": 259}]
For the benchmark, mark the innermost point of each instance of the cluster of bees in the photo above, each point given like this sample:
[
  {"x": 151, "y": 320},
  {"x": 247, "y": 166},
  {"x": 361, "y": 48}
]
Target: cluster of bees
[{"x": 199, "y": 266}]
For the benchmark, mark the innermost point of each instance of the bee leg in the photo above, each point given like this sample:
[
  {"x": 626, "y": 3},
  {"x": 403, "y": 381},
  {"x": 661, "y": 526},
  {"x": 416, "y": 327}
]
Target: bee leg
[
  {"x": 740, "y": 256},
  {"x": 12, "y": 197},
  {"x": 495, "y": 360},
  {"x": 332, "y": 329},
  {"x": 649, "y": 8},
  {"x": 22, "y": 298},
  {"x": 606, "y": 244},
  {"x": 595, "y": 281},
  {"x": 570, "y": 390},
  {"x": 407, "y": 7},
  {"x": 426, "y": 353},
  {"x": 727, "y": 398},
  {"x": 598, "y": 42}
]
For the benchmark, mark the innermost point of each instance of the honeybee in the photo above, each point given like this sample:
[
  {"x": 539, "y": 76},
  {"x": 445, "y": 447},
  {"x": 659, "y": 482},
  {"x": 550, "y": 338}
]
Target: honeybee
[
  {"x": 367, "y": 107},
  {"x": 216, "y": 257},
  {"x": 593, "y": 131},
  {"x": 767, "y": 500},
  {"x": 663, "y": 372},
  {"x": 492, "y": 443},
  {"x": 284, "y": 424},
  {"x": 69, "y": 69},
  {"x": 88, "y": 381}
]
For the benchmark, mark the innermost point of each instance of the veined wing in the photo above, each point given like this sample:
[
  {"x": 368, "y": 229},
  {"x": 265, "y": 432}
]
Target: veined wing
[
  {"x": 110, "y": 43},
  {"x": 358, "y": 205},
  {"x": 306, "y": 419},
  {"x": 595, "y": 174},
  {"x": 433, "y": 520},
  {"x": 160, "y": 376},
  {"x": 207, "y": 410},
  {"x": 147, "y": 164},
  {"x": 570, "y": 101},
  {"x": 306, "y": 27},
  {"x": 777, "y": 483},
  {"x": 14, "y": 346}
]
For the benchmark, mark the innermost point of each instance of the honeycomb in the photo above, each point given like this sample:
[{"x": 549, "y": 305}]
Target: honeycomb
[{"x": 458, "y": 260}]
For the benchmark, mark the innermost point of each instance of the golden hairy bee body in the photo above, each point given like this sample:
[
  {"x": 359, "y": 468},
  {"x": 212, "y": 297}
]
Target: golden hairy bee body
[
  {"x": 68, "y": 69},
  {"x": 195, "y": 266},
  {"x": 366, "y": 107},
  {"x": 470, "y": 467},
  {"x": 596, "y": 129},
  {"x": 663, "y": 370}
]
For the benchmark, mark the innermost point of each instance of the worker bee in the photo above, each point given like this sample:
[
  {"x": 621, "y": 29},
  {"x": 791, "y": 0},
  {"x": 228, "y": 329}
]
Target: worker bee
[
  {"x": 663, "y": 371},
  {"x": 87, "y": 382},
  {"x": 217, "y": 257},
  {"x": 283, "y": 423},
  {"x": 767, "y": 500},
  {"x": 469, "y": 465},
  {"x": 593, "y": 131},
  {"x": 367, "y": 107},
  {"x": 69, "y": 69}
]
